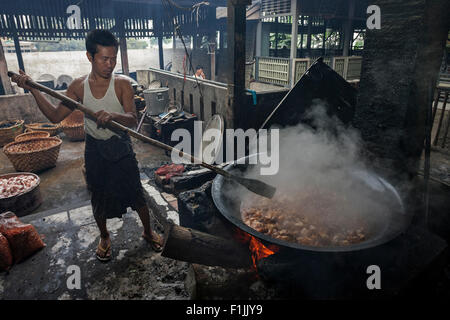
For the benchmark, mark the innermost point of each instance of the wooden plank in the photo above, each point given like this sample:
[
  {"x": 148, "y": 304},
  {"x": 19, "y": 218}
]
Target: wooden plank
[
  {"x": 5, "y": 82},
  {"x": 190, "y": 245}
]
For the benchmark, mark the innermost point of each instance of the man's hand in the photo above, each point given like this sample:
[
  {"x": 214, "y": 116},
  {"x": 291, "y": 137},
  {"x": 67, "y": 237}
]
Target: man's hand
[
  {"x": 103, "y": 117},
  {"x": 21, "y": 79}
]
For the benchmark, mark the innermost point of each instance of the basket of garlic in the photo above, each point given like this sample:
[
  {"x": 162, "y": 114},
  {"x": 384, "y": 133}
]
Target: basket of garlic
[{"x": 33, "y": 155}]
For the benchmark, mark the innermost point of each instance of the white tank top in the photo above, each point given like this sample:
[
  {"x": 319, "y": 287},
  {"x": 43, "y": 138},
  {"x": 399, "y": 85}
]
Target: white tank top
[{"x": 108, "y": 103}]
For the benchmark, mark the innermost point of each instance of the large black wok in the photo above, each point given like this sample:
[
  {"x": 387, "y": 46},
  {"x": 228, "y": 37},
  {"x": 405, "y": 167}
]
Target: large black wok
[
  {"x": 228, "y": 197},
  {"x": 319, "y": 82}
]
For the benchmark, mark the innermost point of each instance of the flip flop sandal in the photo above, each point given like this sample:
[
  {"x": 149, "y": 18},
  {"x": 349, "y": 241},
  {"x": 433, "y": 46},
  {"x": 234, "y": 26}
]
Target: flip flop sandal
[
  {"x": 155, "y": 243},
  {"x": 107, "y": 252}
]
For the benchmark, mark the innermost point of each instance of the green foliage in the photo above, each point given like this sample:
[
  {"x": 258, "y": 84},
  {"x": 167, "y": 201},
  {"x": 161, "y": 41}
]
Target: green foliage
[
  {"x": 79, "y": 45},
  {"x": 284, "y": 40},
  {"x": 62, "y": 45},
  {"x": 136, "y": 44},
  {"x": 154, "y": 41}
]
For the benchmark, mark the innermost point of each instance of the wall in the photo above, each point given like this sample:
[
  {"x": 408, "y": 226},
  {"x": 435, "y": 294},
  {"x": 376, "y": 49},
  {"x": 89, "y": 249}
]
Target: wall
[
  {"x": 22, "y": 107},
  {"x": 198, "y": 57},
  {"x": 215, "y": 97},
  {"x": 215, "y": 94},
  {"x": 400, "y": 62}
]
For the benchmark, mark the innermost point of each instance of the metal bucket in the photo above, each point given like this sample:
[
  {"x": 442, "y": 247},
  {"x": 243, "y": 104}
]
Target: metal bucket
[{"x": 156, "y": 100}]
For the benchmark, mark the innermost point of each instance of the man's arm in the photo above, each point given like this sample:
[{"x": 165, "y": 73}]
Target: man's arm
[
  {"x": 129, "y": 118},
  {"x": 54, "y": 114}
]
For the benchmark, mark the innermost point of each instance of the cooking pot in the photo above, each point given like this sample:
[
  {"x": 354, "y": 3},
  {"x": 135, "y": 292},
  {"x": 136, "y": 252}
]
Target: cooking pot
[{"x": 228, "y": 197}]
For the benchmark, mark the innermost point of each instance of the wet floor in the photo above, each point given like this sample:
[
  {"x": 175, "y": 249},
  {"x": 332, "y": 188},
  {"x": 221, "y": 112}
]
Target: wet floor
[
  {"x": 63, "y": 186},
  {"x": 66, "y": 223}
]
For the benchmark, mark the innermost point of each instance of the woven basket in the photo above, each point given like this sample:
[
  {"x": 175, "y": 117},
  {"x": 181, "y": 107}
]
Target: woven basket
[
  {"x": 7, "y": 135},
  {"x": 51, "y": 128},
  {"x": 33, "y": 155},
  {"x": 31, "y": 135},
  {"x": 73, "y": 126}
]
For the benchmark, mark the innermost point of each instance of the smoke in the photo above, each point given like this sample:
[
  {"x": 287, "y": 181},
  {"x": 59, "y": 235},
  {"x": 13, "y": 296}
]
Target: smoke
[
  {"x": 317, "y": 155},
  {"x": 322, "y": 173}
]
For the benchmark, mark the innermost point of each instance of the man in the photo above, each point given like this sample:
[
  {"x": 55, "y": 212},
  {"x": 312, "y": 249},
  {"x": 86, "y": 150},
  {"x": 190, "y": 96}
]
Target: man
[
  {"x": 112, "y": 173},
  {"x": 199, "y": 73}
]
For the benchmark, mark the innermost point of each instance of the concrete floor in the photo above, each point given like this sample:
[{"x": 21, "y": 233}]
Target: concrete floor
[
  {"x": 68, "y": 228},
  {"x": 63, "y": 186}
]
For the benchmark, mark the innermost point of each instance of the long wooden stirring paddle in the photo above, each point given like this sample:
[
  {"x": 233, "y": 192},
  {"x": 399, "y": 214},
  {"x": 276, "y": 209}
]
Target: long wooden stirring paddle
[{"x": 253, "y": 185}]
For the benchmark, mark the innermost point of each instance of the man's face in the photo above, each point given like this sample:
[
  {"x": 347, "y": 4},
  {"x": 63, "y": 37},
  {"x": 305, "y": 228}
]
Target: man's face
[
  {"x": 199, "y": 71},
  {"x": 104, "y": 61}
]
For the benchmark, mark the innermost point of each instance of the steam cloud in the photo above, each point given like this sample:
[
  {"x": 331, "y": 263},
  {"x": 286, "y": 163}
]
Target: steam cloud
[{"x": 324, "y": 160}]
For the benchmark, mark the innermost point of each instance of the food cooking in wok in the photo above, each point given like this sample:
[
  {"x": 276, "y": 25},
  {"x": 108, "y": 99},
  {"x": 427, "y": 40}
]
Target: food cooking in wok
[{"x": 310, "y": 218}]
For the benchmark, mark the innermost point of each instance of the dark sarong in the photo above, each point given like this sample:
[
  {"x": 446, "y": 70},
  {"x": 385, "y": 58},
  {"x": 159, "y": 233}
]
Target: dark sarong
[{"x": 112, "y": 176}]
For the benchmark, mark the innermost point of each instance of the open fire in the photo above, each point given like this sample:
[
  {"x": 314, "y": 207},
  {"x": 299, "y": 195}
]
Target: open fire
[{"x": 258, "y": 250}]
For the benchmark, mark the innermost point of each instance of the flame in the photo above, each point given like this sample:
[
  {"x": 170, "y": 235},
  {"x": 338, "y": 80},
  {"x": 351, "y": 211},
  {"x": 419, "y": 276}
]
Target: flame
[{"x": 259, "y": 251}]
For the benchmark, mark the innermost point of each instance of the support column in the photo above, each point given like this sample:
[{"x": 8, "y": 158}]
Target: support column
[
  {"x": 195, "y": 41},
  {"x": 265, "y": 40},
  {"x": 161, "y": 52},
  {"x": 294, "y": 37},
  {"x": 221, "y": 40},
  {"x": 124, "y": 55},
  {"x": 212, "y": 49},
  {"x": 123, "y": 47},
  {"x": 276, "y": 37},
  {"x": 348, "y": 28},
  {"x": 258, "y": 38},
  {"x": 212, "y": 41},
  {"x": 392, "y": 108},
  {"x": 236, "y": 21},
  {"x": 18, "y": 52},
  {"x": 174, "y": 40},
  {"x": 308, "y": 39},
  {"x": 159, "y": 33},
  {"x": 301, "y": 35}
]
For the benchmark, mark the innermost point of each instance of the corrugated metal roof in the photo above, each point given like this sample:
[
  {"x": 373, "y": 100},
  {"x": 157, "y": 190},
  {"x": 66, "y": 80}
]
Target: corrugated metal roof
[{"x": 47, "y": 19}]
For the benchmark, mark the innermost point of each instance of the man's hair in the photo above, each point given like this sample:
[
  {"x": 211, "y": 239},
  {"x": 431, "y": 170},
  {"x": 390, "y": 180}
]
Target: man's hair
[
  {"x": 198, "y": 67},
  {"x": 102, "y": 37}
]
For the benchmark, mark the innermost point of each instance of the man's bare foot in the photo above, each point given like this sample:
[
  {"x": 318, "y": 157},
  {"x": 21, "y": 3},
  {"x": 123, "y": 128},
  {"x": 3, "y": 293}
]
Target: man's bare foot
[
  {"x": 154, "y": 239},
  {"x": 103, "y": 252}
]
